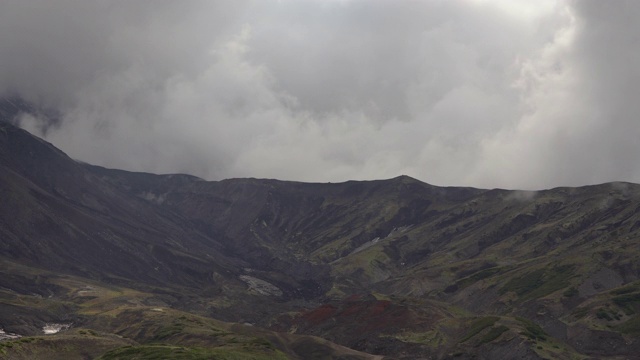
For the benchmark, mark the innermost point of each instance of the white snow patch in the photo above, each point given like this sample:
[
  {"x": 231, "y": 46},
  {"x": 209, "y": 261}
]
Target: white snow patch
[
  {"x": 8, "y": 336},
  {"x": 53, "y": 328}
]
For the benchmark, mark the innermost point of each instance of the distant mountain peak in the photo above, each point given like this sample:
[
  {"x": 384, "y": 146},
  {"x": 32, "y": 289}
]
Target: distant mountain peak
[{"x": 406, "y": 179}]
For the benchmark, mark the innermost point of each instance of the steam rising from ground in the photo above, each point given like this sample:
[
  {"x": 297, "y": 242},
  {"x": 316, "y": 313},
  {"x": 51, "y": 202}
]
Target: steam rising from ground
[{"x": 482, "y": 93}]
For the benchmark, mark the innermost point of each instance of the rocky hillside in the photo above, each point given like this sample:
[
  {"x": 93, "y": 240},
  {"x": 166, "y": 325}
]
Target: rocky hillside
[{"x": 172, "y": 265}]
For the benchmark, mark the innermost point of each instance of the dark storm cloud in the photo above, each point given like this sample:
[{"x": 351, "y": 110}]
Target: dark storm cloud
[{"x": 484, "y": 93}]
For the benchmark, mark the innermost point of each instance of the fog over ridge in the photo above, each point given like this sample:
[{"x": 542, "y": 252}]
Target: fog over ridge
[{"x": 480, "y": 93}]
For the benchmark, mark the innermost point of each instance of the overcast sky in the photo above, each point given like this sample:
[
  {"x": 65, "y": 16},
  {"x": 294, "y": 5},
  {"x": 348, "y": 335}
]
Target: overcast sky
[{"x": 506, "y": 93}]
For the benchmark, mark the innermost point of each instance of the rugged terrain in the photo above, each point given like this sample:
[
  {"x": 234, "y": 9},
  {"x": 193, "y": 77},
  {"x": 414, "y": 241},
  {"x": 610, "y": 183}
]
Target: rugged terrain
[{"x": 172, "y": 266}]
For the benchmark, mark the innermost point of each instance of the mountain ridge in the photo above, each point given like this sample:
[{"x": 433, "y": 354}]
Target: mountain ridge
[{"x": 396, "y": 268}]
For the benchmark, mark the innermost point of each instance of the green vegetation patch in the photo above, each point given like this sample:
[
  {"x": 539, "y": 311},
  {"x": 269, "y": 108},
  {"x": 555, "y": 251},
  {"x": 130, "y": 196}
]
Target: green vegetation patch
[
  {"x": 430, "y": 338},
  {"x": 493, "y": 334},
  {"x": 532, "y": 330},
  {"x": 603, "y": 314},
  {"x": 17, "y": 343},
  {"x": 168, "y": 331},
  {"x": 478, "y": 325},
  {"x": 525, "y": 283},
  {"x": 626, "y": 289},
  {"x": 607, "y": 314},
  {"x": 580, "y": 312},
  {"x": 540, "y": 282},
  {"x": 152, "y": 352},
  {"x": 88, "y": 332},
  {"x": 571, "y": 292},
  {"x": 627, "y": 302},
  {"x": 631, "y": 326},
  {"x": 480, "y": 275}
]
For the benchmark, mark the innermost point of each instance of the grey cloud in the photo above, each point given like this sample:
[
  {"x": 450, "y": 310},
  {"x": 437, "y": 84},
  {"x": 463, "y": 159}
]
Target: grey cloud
[
  {"x": 478, "y": 93},
  {"x": 379, "y": 56},
  {"x": 580, "y": 125}
]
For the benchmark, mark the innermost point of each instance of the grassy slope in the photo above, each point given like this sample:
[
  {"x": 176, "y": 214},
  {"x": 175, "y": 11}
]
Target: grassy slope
[
  {"x": 114, "y": 322},
  {"x": 538, "y": 258}
]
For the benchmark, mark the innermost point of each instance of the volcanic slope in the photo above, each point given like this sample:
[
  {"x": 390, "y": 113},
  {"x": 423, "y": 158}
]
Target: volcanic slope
[
  {"x": 396, "y": 268},
  {"x": 552, "y": 270},
  {"x": 128, "y": 276}
]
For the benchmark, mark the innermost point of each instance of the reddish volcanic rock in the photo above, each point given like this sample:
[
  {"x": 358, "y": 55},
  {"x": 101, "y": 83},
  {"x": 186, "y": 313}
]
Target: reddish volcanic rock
[
  {"x": 359, "y": 321},
  {"x": 319, "y": 315}
]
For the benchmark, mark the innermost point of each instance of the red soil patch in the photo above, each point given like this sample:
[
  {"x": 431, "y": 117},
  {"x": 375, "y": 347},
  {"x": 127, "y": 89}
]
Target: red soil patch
[
  {"x": 358, "y": 316},
  {"x": 319, "y": 315}
]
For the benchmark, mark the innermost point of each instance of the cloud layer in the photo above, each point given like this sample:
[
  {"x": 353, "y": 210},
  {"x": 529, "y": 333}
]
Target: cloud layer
[{"x": 481, "y": 93}]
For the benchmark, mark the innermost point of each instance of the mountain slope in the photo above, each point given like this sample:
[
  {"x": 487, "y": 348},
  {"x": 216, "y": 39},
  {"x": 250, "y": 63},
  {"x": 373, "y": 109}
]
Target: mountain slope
[
  {"x": 393, "y": 267},
  {"x": 58, "y": 215}
]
